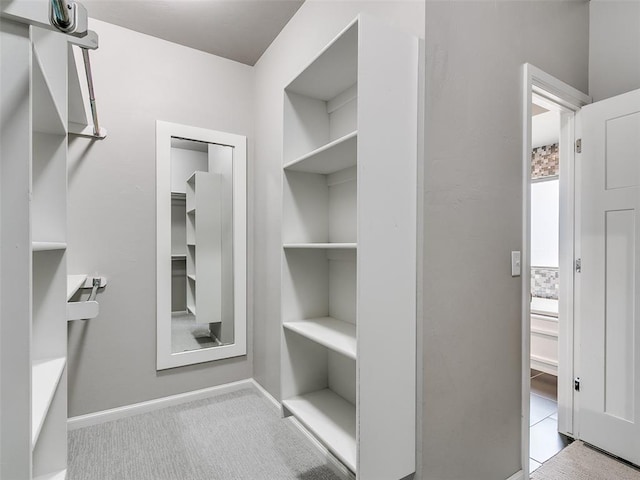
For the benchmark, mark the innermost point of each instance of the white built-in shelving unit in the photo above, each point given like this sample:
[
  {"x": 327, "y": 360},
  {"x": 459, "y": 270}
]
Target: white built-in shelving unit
[
  {"x": 48, "y": 239},
  {"x": 35, "y": 102},
  {"x": 186, "y": 158},
  {"x": 48, "y": 233},
  {"x": 178, "y": 253},
  {"x": 349, "y": 249}
]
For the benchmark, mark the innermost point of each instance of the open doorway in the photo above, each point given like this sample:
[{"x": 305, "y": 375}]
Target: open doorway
[
  {"x": 597, "y": 269},
  {"x": 549, "y": 412},
  {"x": 545, "y": 439}
]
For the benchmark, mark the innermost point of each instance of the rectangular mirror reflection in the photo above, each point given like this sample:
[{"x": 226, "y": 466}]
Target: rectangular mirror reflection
[{"x": 202, "y": 297}]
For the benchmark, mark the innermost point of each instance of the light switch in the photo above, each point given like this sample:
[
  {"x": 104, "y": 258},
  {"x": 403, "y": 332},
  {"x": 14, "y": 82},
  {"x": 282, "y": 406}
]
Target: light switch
[{"x": 515, "y": 264}]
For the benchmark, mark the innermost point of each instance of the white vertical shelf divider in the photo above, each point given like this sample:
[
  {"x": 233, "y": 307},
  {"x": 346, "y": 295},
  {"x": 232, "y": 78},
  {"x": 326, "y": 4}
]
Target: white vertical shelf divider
[
  {"x": 204, "y": 259},
  {"x": 49, "y": 274},
  {"x": 33, "y": 181},
  {"x": 15, "y": 274},
  {"x": 349, "y": 249}
]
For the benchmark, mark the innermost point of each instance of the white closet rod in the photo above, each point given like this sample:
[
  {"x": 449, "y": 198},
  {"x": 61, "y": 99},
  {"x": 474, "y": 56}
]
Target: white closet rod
[{"x": 68, "y": 17}]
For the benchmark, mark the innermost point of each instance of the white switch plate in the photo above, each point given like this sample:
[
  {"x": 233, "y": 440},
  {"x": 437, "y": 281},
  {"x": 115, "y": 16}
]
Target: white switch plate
[{"x": 515, "y": 264}]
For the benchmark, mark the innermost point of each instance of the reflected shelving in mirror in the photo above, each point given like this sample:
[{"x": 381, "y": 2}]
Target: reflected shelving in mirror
[{"x": 201, "y": 291}]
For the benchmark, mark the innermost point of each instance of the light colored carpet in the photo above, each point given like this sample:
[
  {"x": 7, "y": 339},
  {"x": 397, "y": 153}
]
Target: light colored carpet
[
  {"x": 187, "y": 335},
  {"x": 579, "y": 462},
  {"x": 235, "y": 436}
]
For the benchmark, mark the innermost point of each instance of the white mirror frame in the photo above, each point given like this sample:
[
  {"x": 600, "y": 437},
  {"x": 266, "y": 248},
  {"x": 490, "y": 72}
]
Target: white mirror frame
[{"x": 164, "y": 131}]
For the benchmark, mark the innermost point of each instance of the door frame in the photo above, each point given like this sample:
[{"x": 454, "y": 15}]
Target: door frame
[{"x": 560, "y": 96}]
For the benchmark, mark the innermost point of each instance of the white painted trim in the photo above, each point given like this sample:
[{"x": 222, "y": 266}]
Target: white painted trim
[
  {"x": 517, "y": 476},
  {"x": 569, "y": 100},
  {"x": 557, "y": 91},
  {"x": 266, "y": 394},
  {"x": 164, "y": 357},
  {"x": 103, "y": 416}
]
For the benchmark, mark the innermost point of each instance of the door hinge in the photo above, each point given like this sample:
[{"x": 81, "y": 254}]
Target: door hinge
[
  {"x": 576, "y": 384},
  {"x": 579, "y": 145},
  {"x": 578, "y": 265}
]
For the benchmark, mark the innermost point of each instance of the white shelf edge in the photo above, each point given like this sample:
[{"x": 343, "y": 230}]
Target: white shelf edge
[
  {"x": 178, "y": 256},
  {"x": 191, "y": 210},
  {"x": 322, "y": 149},
  {"x": 343, "y": 246},
  {"x": 61, "y": 475},
  {"x": 42, "y": 246},
  {"x": 74, "y": 282},
  {"x": 86, "y": 131},
  {"x": 191, "y": 309},
  {"x": 334, "y": 334},
  {"x": 331, "y": 419},
  {"x": 45, "y": 376},
  {"x": 191, "y": 277}
]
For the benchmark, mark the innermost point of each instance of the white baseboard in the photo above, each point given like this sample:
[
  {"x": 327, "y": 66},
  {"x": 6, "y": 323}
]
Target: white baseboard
[
  {"x": 143, "y": 407},
  {"x": 266, "y": 394},
  {"x": 517, "y": 476}
]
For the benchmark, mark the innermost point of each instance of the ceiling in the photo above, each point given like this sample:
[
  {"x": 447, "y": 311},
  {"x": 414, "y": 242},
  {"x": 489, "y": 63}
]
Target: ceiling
[
  {"x": 545, "y": 129},
  {"x": 239, "y": 30}
]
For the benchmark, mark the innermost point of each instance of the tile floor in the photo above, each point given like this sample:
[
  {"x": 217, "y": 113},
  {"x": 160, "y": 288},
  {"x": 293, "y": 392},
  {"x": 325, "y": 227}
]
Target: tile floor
[{"x": 544, "y": 439}]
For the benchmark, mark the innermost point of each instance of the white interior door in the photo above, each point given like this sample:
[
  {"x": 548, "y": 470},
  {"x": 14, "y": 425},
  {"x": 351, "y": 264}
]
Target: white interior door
[{"x": 609, "y": 294}]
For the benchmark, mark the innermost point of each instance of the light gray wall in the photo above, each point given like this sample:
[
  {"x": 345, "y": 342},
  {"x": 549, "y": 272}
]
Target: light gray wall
[
  {"x": 473, "y": 219},
  {"x": 313, "y": 26},
  {"x": 614, "y": 47},
  {"x": 138, "y": 79}
]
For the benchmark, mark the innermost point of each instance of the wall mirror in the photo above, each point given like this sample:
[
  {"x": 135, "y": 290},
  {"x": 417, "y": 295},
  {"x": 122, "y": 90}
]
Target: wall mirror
[{"x": 201, "y": 245}]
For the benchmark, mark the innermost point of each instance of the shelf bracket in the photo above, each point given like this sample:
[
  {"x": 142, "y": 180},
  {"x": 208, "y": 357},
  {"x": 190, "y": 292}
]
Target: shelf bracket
[
  {"x": 82, "y": 310},
  {"x": 90, "y": 308}
]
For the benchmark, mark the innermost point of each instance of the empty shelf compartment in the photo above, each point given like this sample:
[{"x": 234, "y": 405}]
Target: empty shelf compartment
[
  {"x": 334, "y": 334},
  {"x": 331, "y": 419},
  {"x": 45, "y": 377}
]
